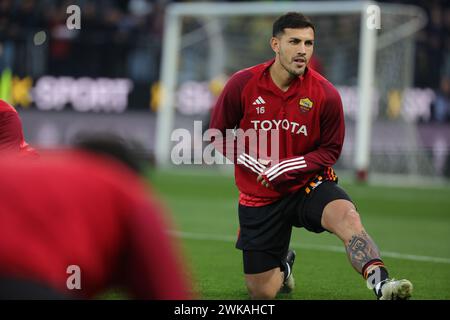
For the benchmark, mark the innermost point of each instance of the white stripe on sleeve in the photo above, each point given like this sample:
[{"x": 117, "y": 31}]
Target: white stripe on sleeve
[
  {"x": 276, "y": 167},
  {"x": 253, "y": 160},
  {"x": 287, "y": 169},
  {"x": 257, "y": 171}
]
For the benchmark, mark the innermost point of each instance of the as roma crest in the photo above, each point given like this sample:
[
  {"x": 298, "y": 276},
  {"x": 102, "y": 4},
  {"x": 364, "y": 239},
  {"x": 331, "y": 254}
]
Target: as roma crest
[{"x": 305, "y": 104}]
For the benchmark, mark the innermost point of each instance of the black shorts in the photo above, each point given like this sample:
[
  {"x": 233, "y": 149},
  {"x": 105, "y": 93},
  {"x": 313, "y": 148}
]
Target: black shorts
[{"x": 265, "y": 232}]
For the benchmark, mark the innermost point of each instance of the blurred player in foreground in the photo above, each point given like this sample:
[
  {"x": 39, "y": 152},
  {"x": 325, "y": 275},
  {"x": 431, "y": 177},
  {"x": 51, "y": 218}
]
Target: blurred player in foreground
[
  {"x": 11, "y": 134},
  {"x": 85, "y": 211},
  {"x": 298, "y": 187}
]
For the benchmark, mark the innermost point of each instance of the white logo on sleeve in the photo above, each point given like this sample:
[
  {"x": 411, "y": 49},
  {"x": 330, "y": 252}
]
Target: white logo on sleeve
[{"x": 259, "y": 100}]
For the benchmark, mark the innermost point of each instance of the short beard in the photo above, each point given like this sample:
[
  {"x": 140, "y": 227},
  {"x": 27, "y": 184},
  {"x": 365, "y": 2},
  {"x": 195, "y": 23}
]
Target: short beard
[{"x": 291, "y": 72}]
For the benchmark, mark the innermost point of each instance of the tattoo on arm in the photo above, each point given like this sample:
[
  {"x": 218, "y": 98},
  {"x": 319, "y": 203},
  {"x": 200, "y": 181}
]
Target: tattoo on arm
[{"x": 361, "y": 249}]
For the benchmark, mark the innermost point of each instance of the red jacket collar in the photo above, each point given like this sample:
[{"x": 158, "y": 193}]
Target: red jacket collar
[{"x": 266, "y": 82}]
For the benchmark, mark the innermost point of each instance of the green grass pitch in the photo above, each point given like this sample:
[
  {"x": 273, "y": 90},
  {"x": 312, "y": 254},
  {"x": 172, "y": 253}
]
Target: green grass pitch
[{"x": 410, "y": 225}]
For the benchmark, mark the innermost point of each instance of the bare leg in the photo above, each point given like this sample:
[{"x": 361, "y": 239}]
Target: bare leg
[
  {"x": 341, "y": 218},
  {"x": 264, "y": 285}
]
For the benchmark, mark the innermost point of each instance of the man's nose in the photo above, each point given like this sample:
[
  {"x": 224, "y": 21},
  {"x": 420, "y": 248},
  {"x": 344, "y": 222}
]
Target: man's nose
[{"x": 301, "y": 48}]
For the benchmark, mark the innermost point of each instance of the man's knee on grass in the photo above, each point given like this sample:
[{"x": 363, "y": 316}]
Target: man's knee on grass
[{"x": 264, "y": 285}]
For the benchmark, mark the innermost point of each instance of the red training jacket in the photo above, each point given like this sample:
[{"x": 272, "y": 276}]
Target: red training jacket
[
  {"x": 308, "y": 118},
  {"x": 74, "y": 208},
  {"x": 11, "y": 134}
]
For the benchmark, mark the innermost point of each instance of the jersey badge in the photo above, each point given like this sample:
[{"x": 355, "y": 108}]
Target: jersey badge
[{"x": 305, "y": 104}]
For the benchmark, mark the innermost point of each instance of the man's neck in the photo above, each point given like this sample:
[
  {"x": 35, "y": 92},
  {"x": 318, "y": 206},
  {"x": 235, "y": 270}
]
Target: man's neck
[{"x": 280, "y": 76}]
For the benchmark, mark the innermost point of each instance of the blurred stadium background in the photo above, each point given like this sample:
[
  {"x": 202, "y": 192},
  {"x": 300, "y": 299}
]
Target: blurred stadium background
[{"x": 106, "y": 76}]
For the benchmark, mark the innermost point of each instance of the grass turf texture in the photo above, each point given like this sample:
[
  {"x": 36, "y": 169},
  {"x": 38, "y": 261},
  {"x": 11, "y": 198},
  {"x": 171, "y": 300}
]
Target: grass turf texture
[{"x": 401, "y": 220}]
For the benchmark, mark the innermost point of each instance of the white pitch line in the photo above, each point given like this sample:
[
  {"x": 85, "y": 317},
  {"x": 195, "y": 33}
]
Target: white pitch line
[{"x": 395, "y": 255}]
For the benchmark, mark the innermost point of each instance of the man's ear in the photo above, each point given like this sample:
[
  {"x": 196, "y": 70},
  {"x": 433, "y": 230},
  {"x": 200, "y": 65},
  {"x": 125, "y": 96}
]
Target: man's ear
[{"x": 275, "y": 44}]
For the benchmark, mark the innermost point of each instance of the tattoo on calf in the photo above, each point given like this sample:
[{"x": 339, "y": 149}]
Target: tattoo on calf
[{"x": 361, "y": 249}]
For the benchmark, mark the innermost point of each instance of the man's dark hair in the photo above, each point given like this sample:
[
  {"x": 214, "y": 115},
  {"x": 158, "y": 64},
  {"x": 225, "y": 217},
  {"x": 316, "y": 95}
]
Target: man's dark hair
[
  {"x": 293, "y": 20},
  {"x": 112, "y": 146}
]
